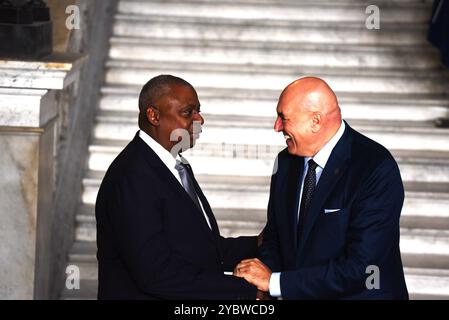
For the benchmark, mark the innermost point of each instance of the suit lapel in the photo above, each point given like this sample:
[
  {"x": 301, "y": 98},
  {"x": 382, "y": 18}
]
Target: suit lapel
[
  {"x": 165, "y": 175},
  {"x": 206, "y": 207},
  {"x": 335, "y": 168}
]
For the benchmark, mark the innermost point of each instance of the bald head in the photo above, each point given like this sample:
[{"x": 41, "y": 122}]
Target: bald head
[
  {"x": 311, "y": 94},
  {"x": 308, "y": 114}
]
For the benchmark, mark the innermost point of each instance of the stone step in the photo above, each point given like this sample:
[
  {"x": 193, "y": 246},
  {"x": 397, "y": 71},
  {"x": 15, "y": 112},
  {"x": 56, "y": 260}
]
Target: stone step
[
  {"x": 234, "y": 149},
  {"x": 83, "y": 252},
  {"x": 425, "y": 210},
  {"x": 273, "y": 53},
  {"x": 262, "y": 113},
  {"x": 87, "y": 291},
  {"x": 236, "y": 198},
  {"x": 412, "y": 12},
  {"x": 124, "y": 72},
  {"x": 424, "y": 248},
  {"x": 434, "y": 244},
  {"x": 422, "y": 282},
  {"x": 422, "y": 285},
  {"x": 427, "y": 284},
  {"x": 420, "y": 248},
  {"x": 88, "y": 268},
  {"x": 392, "y": 137},
  {"x": 132, "y": 90},
  {"x": 306, "y": 31},
  {"x": 253, "y": 121},
  {"x": 414, "y": 166},
  {"x": 235, "y": 228},
  {"x": 421, "y": 210},
  {"x": 263, "y": 104},
  {"x": 428, "y": 212}
]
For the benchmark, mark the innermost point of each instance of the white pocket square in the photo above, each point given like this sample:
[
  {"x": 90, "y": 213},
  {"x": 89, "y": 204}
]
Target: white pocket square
[{"x": 326, "y": 211}]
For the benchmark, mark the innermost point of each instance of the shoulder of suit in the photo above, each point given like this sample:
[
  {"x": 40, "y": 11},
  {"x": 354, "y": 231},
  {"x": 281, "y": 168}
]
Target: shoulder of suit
[
  {"x": 283, "y": 154},
  {"x": 130, "y": 161},
  {"x": 366, "y": 148}
]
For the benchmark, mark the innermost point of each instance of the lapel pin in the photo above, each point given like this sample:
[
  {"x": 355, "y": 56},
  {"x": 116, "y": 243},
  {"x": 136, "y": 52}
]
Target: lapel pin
[{"x": 336, "y": 171}]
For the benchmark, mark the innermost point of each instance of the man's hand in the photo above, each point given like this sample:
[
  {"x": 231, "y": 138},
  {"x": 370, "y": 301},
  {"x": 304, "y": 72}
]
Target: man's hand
[{"x": 255, "y": 272}]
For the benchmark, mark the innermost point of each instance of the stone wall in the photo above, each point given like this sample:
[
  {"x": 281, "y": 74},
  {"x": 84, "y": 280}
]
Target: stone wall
[
  {"x": 19, "y": 184},
  {"x": 76, "y": 106}
]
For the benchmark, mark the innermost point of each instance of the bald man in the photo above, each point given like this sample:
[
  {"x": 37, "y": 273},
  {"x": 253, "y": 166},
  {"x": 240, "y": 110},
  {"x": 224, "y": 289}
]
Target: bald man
[{"x": 334, "y": 208}]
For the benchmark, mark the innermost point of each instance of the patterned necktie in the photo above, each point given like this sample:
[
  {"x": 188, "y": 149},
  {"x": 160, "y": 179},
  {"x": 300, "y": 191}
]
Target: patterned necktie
[
  {"x": 307, "y": 193},
  {"x": 187, "y": 182}
]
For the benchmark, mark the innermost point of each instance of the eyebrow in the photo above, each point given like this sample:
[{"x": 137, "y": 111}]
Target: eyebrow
[{"x": 191, "y": 105}]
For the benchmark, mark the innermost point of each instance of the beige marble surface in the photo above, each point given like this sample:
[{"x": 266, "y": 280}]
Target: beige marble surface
[
  {"x": 28, "y": 106},
  {"x": 18, "y": 210},
  {"x": 26, "y": 98}
]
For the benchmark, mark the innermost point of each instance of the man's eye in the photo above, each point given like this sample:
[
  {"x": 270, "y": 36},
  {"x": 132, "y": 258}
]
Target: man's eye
[{"x": 190, "y": 112}]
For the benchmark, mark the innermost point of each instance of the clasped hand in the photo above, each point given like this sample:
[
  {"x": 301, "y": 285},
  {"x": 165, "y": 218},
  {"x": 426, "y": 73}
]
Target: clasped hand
[{"x": 255, "y": 272}]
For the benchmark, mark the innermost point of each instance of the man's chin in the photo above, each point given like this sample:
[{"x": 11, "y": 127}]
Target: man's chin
[
  {"x": 294, "y": 151},
  {"x": 291, "y": 147}
]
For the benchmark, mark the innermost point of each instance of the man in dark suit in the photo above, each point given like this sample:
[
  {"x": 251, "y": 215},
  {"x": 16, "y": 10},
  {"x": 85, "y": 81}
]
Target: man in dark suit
[
  {"x": 157, "y": 237},
  {"x": 334, "y": 208}
]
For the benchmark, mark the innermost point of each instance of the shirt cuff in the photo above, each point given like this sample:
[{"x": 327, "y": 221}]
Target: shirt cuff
[{"x": 275, "y": 284}]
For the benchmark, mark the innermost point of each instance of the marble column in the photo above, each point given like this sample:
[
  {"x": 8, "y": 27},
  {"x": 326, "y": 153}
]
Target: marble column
[{"x": 28, "y": 113}]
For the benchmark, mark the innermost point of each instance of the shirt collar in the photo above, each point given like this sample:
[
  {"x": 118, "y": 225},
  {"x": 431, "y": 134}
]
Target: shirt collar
[
  {"x": 323, "y": 155},
  {"x": 160, "y": 151}
]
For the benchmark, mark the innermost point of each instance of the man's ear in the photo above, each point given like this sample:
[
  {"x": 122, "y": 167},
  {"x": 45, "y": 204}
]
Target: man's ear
[
  {"x": 316, "y": 122},
  {"x": 153, "y": 116}
]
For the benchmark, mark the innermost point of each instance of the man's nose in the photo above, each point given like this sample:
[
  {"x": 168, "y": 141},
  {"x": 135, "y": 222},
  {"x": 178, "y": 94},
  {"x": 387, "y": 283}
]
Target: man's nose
[
  {"x": 278, "y": 125},
  {"x": 199, "y": 117}
]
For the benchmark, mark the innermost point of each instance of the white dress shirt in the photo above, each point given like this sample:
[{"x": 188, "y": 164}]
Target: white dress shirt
[
  {"x": 320, "y": 159},
  {"x": 167, "y": 158}
]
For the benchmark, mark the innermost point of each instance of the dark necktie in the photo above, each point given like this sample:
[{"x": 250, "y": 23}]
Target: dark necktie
[
  {"x": 307, "y": 193},
  {"x": 187, "y": 182}
]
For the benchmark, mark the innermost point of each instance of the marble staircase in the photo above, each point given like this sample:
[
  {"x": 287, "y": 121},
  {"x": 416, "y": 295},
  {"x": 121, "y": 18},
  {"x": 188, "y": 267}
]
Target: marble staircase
[{"x": 240, "y": 55}]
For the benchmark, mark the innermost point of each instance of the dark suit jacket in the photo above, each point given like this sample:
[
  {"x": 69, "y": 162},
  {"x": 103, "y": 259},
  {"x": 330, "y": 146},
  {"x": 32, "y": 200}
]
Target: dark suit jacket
[
  {"x": 330, "y": 259},
  {"x": 154, "y": 243},
  {"x": 439, "y": 28}
]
